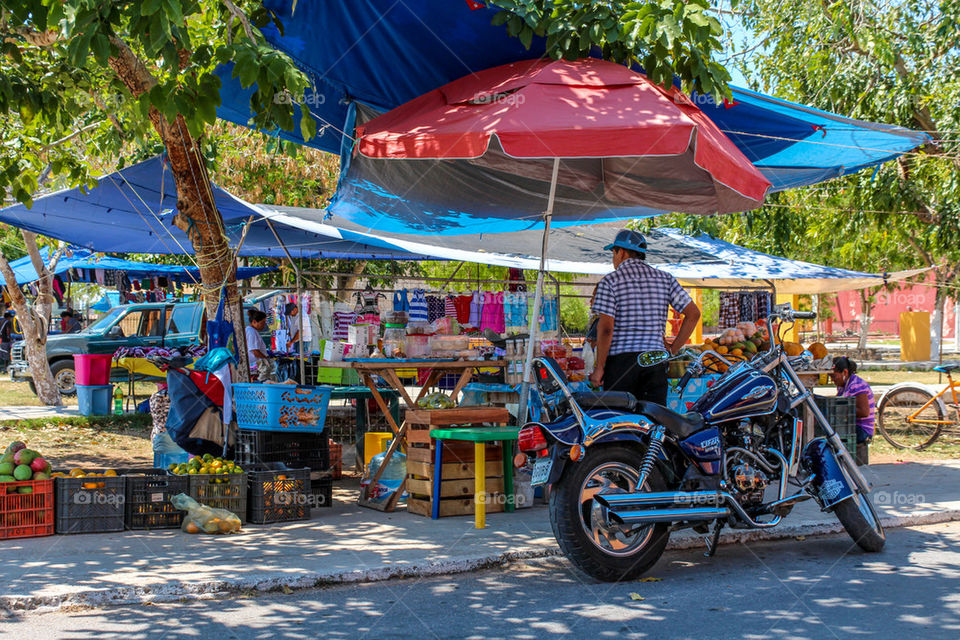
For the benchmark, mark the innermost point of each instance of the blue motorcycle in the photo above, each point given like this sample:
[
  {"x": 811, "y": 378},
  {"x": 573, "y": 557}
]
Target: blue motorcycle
[{"x": 623, "y": 474}]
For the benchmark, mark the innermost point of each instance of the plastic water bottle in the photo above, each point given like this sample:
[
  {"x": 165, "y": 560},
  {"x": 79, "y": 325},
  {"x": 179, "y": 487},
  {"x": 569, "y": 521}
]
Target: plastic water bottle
[
  {"x": 118, "y": 400},
  {"x": 392, "y": 477}
]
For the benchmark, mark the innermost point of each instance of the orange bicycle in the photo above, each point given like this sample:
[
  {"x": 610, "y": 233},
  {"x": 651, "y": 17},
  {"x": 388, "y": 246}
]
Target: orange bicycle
[{"x": 912, "y": 416}]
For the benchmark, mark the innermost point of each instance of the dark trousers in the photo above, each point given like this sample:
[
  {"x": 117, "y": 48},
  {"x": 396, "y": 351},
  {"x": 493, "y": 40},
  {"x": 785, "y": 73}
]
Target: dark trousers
[{"x": 622, "y": 373}]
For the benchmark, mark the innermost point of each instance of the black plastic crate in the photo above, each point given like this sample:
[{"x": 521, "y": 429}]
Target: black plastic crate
[
  {"x": 278, "y": 493},
  {"x": 148, "y": 496},
  {"x": 89, "y": 504},
  {"x": 221, "y": 491},
  {"x": 296, "y": 450},
  {"x": 840, "y": 412},
  {"x": 321, "y": 489}
]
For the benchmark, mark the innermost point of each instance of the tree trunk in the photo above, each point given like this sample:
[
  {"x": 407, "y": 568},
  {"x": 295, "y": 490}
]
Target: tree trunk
[
  {"x": 35, "y": 339},
  {"x": 197, "y": 215},
  {"x": 866, "y": 308},
  {"x": 346, "y": 283}
]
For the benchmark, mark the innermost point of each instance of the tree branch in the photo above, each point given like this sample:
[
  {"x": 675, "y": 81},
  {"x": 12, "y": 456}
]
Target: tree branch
[{"x": 237, "y": 13}]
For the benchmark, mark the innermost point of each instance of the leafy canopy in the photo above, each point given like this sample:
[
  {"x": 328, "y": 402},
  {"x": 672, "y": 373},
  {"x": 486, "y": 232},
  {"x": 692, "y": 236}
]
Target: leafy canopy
[{"x": 669, "y": 38}]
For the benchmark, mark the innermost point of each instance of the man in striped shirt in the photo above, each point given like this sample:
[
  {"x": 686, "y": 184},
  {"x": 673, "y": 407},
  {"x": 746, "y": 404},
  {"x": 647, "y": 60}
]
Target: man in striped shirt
[{"x": 632, "y": 304}]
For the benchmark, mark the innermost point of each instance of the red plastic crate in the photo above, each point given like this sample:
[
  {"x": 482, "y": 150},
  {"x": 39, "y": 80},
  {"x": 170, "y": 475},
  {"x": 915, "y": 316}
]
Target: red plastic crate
[{"x": 26, "y": 515}]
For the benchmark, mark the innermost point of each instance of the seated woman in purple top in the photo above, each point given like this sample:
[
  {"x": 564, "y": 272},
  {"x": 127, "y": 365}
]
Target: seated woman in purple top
[{"x": 850, "y": 385}]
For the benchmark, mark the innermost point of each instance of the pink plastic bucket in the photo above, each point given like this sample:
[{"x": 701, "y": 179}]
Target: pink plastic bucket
[{"x": 92, "y": 369}]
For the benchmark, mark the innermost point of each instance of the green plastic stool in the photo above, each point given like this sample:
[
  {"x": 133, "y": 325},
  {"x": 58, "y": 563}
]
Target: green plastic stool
[{"x": 480, "y": 436}]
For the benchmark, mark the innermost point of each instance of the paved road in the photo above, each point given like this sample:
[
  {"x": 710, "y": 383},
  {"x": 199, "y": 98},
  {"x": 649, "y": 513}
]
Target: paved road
[{"x": 817, "y": 588}]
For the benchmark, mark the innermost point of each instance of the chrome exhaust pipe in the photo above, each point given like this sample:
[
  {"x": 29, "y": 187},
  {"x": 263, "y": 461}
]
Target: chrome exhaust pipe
[
  {"x": 663, "y": 498},
  {"x": 639, "y": 516}
]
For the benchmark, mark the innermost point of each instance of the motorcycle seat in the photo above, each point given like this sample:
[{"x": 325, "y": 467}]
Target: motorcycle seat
[
  {"x": 605, "y": 400},
  {"x": 682, "y": 425}
]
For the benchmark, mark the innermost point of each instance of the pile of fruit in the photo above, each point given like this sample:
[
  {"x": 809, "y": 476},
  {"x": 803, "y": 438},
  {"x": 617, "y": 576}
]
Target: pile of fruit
[
  {"x": 206, "y": 465},
  {"x": 19, "y": 464},
  {"x": 747, "y": 339},
  {"x": 80, "y": 473}
]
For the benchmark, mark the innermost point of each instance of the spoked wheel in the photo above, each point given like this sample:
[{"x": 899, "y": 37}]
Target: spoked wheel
[
  {"x": 604, "y": 550},
  {"x": 898, "y": 424}
]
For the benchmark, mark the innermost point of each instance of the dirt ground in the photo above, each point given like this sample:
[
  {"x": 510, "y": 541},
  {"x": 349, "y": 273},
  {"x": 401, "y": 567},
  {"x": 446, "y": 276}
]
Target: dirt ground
[{"x": 69, "y": 446}]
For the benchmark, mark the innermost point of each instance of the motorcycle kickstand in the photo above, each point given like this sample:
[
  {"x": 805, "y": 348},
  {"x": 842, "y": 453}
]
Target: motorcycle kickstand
[{"x": 714, "y": 541}]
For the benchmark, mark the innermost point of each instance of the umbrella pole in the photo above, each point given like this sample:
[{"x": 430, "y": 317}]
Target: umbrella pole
[{"x": 534, "y": 326}]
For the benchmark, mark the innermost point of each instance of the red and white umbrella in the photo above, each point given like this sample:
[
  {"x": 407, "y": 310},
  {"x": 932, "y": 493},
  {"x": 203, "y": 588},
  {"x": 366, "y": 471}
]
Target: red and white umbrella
[{"x": 590, "y": 125}]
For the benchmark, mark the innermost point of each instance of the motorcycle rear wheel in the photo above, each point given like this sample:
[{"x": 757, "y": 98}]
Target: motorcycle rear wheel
[{"x": 606, "y": 555}]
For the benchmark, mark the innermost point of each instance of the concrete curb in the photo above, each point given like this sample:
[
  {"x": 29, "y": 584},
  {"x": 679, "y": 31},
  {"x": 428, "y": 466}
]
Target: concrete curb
[{"x": 14, "y": 604}]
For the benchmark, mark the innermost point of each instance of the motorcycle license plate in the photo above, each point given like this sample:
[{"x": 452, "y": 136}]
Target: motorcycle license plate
[{"x": 541, "y": 470}]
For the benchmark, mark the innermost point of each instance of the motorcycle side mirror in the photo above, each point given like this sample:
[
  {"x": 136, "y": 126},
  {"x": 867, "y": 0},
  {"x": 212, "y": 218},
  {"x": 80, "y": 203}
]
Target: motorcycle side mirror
[{"x": 652, "y": 358}]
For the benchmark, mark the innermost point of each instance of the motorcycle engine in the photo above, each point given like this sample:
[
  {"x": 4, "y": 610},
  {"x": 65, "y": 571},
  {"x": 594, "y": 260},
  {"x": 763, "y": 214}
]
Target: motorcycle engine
[{"x": 744, "y": 477}]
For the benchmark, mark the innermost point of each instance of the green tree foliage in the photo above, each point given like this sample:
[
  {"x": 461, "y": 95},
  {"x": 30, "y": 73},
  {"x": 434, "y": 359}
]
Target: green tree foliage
[{"x": 669, "y": 38}]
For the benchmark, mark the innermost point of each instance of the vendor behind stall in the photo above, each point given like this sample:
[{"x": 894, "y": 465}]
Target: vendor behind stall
[
  {"x": 850, "y": 385},
  {"x": 260, "y": 363},
  {"x": 291, "y": 324}
]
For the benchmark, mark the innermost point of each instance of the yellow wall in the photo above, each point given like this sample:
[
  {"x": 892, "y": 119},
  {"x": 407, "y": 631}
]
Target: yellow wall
[
  {"x": 793, "y": 335},
  {"x": 914, "y": 336},
  {"x": 697, "y": 337}
]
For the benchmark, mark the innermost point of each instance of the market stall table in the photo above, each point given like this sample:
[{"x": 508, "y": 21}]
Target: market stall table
[{"x": 387, "y": 368}]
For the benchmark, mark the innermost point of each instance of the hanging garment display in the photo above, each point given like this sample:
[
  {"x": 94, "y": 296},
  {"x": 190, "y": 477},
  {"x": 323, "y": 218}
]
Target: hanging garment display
[
  {"x": 764, "y": 304},
  {"x": 492, "y": 313},
  {"x": 435, "y": 308},
  {"x": 476, "y": 307},
  {"x": 343, "y": 316},
  {"x": 748, "y": 306},
  {"x": 515, "y": 310},
  {"x": 729, "y": 309},
  {"x": 549, "y": 315},
  {"x": 400, "y": 301},
  {"x": 449, "y": 308},
  {"x": 418, "y": 307},
  {"x": 463, "y": 306}
]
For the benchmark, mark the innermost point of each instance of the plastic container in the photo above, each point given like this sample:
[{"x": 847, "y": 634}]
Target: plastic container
[
  {"x": 280, "y": 407},
  {"x": 92, "y": 369},
  {"x": 296, "y": 450},
  {"x": 418, "y": 346},
  {"x": 390, "y": 481},
  {"x": 84, "y": 506},
  {"x": 840, "y": 412},
  {"x": 95, "y": 400},
  {"x": 164, "y": 460},
  {"x": 374, "y": 443},
  {"x": 278, "y": 494},
  {"x": 221, "y": 491},
  {"x": 26, "y": 515},
  {"x": 148, "y": 493}
]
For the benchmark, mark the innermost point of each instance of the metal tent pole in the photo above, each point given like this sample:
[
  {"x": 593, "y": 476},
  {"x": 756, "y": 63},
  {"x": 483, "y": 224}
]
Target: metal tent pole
[
  {"x": 296, "y": 271},
  {"x": 534, "y": 325}
]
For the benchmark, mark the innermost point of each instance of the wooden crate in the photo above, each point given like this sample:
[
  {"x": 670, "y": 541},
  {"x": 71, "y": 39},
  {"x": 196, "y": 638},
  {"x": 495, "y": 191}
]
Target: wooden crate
[
  {"x": 453, "y": 451},
  {"x": 420, "y": 422},
  {"x": 462, "y": 488},
  {"x": 452, "y": 506},
  {"x": 453, "y": 470}
]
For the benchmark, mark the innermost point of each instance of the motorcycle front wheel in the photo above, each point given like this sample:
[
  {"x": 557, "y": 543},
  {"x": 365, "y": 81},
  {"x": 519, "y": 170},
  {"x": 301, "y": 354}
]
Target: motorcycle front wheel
[
  {"x": 861, "y": 521},
  {"x": 605, "y": 552}
]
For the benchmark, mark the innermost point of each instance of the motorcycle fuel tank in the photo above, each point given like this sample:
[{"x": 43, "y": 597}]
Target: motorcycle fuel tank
[{"x": 742, "y": 393}]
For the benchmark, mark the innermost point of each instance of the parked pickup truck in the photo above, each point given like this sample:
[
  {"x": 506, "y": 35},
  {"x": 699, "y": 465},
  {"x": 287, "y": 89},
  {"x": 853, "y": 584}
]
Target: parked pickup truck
[{"x": 134, "y": 325}]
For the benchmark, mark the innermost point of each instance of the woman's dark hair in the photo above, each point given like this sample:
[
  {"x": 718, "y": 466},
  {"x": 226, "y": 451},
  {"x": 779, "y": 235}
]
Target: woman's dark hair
[
  {"x": 255, "y": 315},
  {"x": 844, "y": 364},
  {"x": 290, "y": 307}
]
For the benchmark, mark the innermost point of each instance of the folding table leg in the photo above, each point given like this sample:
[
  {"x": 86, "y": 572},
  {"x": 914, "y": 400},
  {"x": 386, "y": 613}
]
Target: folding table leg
[
  {"x": 437, "y": 477},
  {"x": 507, "y": 446},
  {"x": 480, "y": 485}
]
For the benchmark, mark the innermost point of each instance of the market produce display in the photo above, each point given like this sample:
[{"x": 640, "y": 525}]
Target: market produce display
[
  {"x": 19, "y": 464},
  {"x": 748, "y": 339},
  {"x": 80, "y": 473},
  {"x": 205, "y": 465},
  {"x": 204, "y": 519}
]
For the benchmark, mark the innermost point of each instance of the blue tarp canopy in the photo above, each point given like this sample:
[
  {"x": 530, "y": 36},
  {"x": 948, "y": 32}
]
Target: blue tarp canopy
[
  {"x": 86, "y": 263},
  {"x": 369, "y": 56},
  {"x": 132, "y": 210}
]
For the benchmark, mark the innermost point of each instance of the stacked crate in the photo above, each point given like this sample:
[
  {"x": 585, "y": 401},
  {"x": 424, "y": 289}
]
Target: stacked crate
[
  {"x": 841, "y": 413},
  {"x": 457, "y": 474},
  {"x": 286, "y": 423}
]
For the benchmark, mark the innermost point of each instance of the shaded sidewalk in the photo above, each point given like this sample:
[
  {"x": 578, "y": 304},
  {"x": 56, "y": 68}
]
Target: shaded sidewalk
[{"x": 347, "y": 543}]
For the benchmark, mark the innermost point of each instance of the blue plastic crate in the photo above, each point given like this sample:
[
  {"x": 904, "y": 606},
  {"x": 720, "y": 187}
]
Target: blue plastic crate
[
  {"x": 94, "y": 400},
  {"x": 281, "y": 407}
]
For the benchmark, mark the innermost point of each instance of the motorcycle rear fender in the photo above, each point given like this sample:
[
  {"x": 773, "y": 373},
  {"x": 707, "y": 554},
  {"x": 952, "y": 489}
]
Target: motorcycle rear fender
[
  {"x": 829, "y": 486},
  {"x": 560, "y": 452}
]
